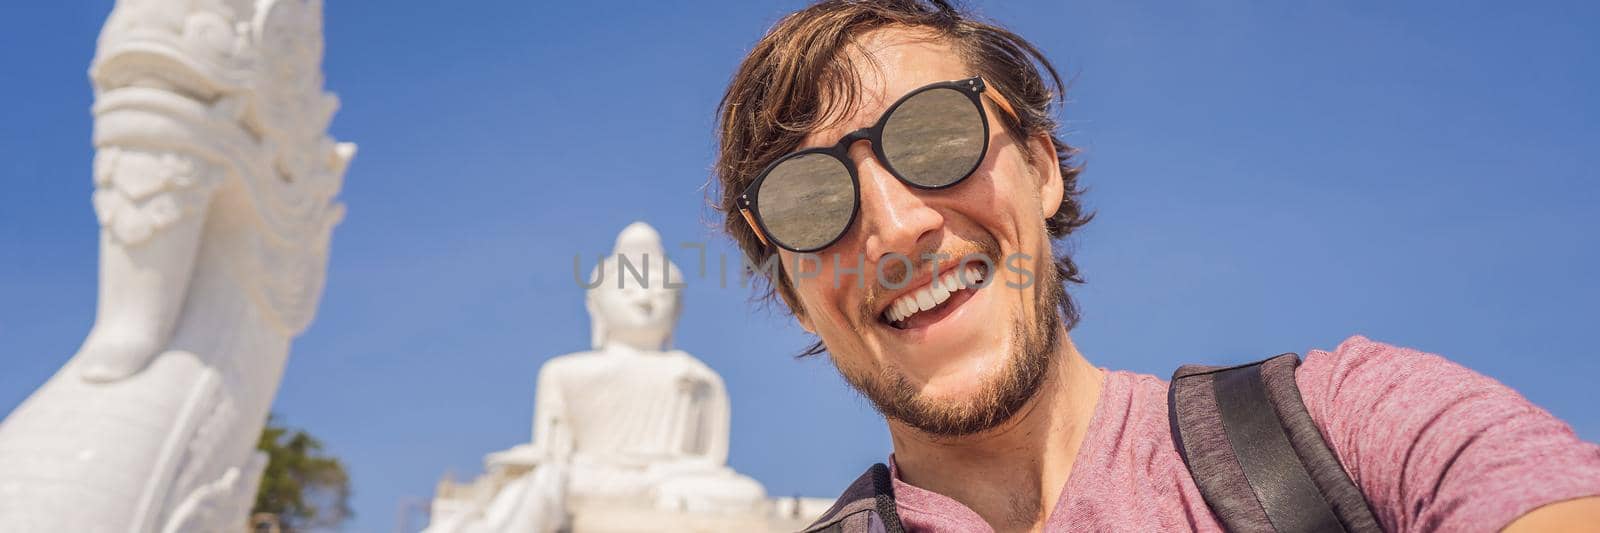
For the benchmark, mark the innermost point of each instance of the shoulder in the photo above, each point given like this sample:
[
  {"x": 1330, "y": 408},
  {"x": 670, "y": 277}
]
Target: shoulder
[
  {"x": 694, "y": 363},
  {"x": 1132, "y": 402},
  {"x": 1360, "y": 363},
  {"x": 1362, "y": 381},
  {"x": 868, "y": 500},
  {"x": 1435, "y": 445},
  {"x": 1366, "y": 392},
  {"x": 1132, "y": 424},
  {"x": 567, "y": 364},
  {"x": 1378, "y": 391},
  {"x": 567, "y": 359}
]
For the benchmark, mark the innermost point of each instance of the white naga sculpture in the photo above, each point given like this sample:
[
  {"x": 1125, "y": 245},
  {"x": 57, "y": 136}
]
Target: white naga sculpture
[
  {"x": 214, "y": 183},
  {"x": 630, "y": 436}
]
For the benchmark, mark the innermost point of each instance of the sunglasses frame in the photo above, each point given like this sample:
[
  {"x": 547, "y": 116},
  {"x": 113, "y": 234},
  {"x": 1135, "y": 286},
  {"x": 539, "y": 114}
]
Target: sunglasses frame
[{"x": 974, "y": 87}]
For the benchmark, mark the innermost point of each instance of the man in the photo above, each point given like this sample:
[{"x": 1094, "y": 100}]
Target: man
[{"x": 896, "y": 166}]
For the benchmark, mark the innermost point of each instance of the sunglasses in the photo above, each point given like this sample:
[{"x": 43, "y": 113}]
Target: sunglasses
[{"x": 932, "y": 138}]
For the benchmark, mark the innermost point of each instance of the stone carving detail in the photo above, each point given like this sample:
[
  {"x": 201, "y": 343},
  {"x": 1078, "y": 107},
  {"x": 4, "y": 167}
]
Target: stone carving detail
[
  {"x": 139, "y": 192},
  {"x": 214, "y": 187}
]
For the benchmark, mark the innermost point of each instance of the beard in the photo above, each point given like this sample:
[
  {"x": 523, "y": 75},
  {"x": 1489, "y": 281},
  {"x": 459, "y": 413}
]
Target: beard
[{"x": 1033, "y": 348}]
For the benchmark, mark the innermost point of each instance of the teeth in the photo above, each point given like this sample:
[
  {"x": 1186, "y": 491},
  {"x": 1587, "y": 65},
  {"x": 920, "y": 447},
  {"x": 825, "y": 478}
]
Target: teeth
[
  {"x": 904, "y": 308},
  {"x": 934, "y": 294},
  {"x": 940, "y": 293}
]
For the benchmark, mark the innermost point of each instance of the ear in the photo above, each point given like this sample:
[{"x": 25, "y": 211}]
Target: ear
[{"x": 1047, "y": 167}]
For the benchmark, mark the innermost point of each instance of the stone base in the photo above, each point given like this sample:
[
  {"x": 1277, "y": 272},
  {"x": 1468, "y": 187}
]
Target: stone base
[{"x": 780, "y": 515}]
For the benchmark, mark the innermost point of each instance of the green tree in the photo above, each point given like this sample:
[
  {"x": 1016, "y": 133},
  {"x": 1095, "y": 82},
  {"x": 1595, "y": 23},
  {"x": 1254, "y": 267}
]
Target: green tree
[{"x": 303, "y": 486}]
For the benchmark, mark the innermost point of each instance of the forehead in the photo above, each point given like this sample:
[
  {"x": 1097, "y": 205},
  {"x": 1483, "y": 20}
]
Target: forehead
[{"x": 888, "y": 63}]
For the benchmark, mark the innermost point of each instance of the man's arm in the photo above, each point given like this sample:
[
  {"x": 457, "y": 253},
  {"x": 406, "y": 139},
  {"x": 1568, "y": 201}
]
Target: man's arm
[
  {"x": 1435, "y": 446},
  {"x": 1582, "y": 514}
]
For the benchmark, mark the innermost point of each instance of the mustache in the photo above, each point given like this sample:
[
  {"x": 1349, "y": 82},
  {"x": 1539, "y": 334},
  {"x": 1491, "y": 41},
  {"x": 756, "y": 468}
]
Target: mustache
[{"x": 896, "y": 272}]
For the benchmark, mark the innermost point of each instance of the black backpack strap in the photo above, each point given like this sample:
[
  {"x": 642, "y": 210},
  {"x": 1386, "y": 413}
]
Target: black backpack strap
[
  {"x": 866, "y": 505},
  {"x": 1256, "y": 455}
]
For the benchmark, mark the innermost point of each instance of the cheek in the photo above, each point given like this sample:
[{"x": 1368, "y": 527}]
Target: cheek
[
  {"x": 812, "y": 276},
  {"x": 828, "y": 312},
  {"x": 998, "y": 197}
]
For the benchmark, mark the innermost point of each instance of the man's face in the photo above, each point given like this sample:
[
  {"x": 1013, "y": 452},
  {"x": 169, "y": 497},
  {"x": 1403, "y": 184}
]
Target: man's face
[{"x": 970, "y": 362}]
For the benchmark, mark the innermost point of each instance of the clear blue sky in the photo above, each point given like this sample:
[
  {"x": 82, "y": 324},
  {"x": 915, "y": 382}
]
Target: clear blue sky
[{"x": 1269, "y": 177}]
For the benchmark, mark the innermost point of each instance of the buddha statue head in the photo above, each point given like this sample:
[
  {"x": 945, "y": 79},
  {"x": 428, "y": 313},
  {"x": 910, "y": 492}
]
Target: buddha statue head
[{"x": 633, "y": 305}]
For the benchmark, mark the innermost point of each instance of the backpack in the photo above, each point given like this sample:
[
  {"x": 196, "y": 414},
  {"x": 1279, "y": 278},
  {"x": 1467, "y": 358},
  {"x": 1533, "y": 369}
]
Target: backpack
[{"x": 1251, "y": 447}]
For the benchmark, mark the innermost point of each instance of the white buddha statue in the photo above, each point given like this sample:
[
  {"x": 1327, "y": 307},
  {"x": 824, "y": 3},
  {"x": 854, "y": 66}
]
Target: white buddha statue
[{"x": 632, "y": 423}]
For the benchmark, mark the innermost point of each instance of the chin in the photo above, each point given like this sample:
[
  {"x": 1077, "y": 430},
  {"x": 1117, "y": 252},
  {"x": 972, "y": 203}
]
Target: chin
[{"x": 965, "y": 376}]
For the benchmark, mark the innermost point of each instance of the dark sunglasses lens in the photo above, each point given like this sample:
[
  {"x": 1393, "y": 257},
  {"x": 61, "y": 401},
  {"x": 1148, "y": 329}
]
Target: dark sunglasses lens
[
  {"x": 806, "y": 201},
  {"x": 935, "y": 138}
]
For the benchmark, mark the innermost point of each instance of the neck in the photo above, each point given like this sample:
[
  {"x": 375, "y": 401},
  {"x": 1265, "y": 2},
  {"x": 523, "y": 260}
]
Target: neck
[
  {"x": 635, "y": 344},
  {"x": 1012, "y": 474}
]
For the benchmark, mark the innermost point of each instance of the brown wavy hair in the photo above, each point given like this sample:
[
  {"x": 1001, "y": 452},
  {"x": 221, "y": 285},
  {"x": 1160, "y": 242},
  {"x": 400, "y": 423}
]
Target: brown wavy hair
[{"x": 798, "y": 79}]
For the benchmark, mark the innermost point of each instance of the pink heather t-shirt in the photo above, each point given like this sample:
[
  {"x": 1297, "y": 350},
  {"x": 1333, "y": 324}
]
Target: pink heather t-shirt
[{"x": 1433, "y": 446}]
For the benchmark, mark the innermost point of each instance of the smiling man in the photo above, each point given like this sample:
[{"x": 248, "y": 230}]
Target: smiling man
[{"x": 898, "y": 166}]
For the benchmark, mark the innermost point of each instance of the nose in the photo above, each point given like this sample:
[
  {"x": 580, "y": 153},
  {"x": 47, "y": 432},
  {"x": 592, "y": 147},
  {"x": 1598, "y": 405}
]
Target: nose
[{"x": 894, "y": 216}]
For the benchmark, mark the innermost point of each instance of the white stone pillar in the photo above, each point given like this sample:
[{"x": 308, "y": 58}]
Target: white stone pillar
[{"x": 214, "y": 185}]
